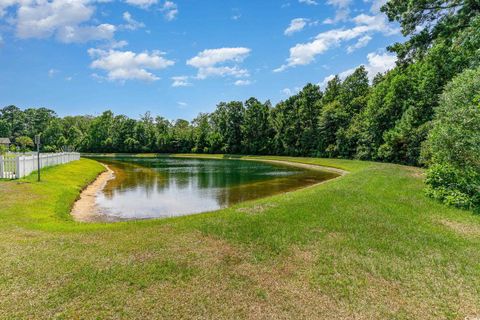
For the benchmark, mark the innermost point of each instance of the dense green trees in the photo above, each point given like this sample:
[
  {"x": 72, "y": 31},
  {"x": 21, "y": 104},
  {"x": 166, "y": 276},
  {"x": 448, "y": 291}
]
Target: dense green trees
[{"x": 453, "y": 145}]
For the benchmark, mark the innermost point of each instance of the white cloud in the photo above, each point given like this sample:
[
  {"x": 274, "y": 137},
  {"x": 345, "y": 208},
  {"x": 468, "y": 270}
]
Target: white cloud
[
  {"x": 305, "y": 53},
  {"x": 290, "y": 92},
  {"x": 170, "y": 10},
  {"x": 243, "y": 82},
  {"x": 52, "y": 73},
  {"x": 309, "y": 2},
  {"x": 180, "y": 81},
  {"x": 131, "y": 24},
  {"x": 142, "y": 3},
  {"x": 211, "y": 62},
  {"x": 342, "y": 8},
  {"x": 376, "y": 5},
  {"x": 128, "y": 65},
  {"x": 71, "y": 34},
  {"x": 377, "y": 63},
  {"x": 67, "y": 20},
  {"x": 362, "y": 42},
  {"x": 326, "y": 80},
  {"x": 117, "y": 44},
  {"x": 182, "y": 105},
  {"x": 296, "y": 25}
]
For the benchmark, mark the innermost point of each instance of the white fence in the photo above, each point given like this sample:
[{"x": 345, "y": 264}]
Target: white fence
[{"x": 19, "y": 166}]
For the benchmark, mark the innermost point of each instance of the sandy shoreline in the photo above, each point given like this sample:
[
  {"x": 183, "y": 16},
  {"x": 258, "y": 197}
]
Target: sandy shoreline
[{"x": 85, "y": 208}]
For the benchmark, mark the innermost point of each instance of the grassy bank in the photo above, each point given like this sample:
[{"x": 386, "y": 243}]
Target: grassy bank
[{"x": 367, "y": 245}]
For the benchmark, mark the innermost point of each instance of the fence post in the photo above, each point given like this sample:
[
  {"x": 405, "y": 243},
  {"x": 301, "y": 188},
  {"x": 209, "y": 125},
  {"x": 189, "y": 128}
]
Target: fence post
[
  {"x": 2, "y": 168},
  {"x": 17, "y": 167}
]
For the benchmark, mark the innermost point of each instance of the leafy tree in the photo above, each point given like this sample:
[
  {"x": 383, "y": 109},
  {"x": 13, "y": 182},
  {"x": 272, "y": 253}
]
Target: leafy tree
[
  {"x": 427, "y": 21},
  {"x": 4, "y": 129},
  {"x": 163, "y": 127},
  {"x": 386, "y": 104},
  {"x": 201, "y": 131},
  {"x": 182, "y": 134},
  {"x": 15, "y": 118},
  {"x": 256, "y": 129},
  {"x": 24, "y": 142},
  {"x": 227, "y": 123},
  {"x": 334, "y": 120},
  {"x": 295, "y": 121},
  {"x": 453, "y": 145},
  {"x": 100, "y": 133}
]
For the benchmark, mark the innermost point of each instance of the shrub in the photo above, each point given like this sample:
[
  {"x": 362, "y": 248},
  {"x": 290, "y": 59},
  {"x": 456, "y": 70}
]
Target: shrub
[{"x": 453, "y": 145}]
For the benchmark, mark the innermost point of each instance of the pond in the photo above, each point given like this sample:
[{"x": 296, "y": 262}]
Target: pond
[{"x": 145, "y": 188}]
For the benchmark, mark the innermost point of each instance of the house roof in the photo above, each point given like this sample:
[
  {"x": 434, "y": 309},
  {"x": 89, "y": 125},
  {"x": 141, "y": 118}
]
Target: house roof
[{"x": 4, "y": 140}]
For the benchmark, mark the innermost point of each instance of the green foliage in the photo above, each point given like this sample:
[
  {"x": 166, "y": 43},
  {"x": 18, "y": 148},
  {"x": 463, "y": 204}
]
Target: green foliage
[
  {"x": 459, "y": 188},
  {"x": 3, "y": 149},
  {"x": 295, "y": 122},
  {"x": 256, "y": 129},
  {"x": 25, "y": 143},
  {"x": 428, "y": 21},
  {"x": 453, "y": 145}
]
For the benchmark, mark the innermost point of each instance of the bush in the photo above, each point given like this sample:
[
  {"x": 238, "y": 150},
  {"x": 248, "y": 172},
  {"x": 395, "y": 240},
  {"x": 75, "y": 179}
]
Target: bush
[
  {"x": 453, "y": 145},
  {"x": 453, "y": 187}
]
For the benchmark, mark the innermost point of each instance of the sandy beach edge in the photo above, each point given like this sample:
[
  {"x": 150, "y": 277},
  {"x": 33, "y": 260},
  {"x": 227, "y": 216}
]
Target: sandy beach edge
[{"x": 85, "y": 208}]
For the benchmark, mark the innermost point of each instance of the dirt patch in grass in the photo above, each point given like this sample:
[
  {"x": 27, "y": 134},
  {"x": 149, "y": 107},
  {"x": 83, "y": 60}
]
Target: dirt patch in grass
[
  {"x": 257, "y": 208},
  {"x": 417, "y": 173},
  {"x": 465, "y": 229}
]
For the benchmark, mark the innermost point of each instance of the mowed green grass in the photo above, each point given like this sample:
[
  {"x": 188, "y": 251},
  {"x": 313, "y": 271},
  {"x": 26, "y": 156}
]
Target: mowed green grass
[{"x": 368, "y": 245}]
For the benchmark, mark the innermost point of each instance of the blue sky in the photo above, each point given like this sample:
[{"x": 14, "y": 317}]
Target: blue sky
[{"x": 181, "y": 57}]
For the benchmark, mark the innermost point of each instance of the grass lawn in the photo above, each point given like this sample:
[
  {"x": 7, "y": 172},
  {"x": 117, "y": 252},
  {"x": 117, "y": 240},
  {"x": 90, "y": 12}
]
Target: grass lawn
[{"x": 366, "y": 245}]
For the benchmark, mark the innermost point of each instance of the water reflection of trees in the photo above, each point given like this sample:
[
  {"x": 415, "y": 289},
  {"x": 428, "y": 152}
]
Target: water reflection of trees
[{"x": 228, "y": 182}]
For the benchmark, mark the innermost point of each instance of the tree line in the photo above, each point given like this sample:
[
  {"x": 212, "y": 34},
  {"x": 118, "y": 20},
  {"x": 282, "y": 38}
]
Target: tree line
[{"x": 396, "y": 118}]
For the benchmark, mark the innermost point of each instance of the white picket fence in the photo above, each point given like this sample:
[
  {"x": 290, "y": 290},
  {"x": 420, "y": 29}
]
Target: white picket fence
[{"x": 19, "y": 166}]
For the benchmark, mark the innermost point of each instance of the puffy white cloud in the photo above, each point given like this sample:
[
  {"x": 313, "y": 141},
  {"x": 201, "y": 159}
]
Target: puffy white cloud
[
  {"x": 305, "y": 53},
  {"x": 170, "y": 10},
  {"x": 309, "y": 2},
  {"x": 243, "y": 82},
  {"x": 67, "y": 20},
  {"x": 211, "y": 62},
  {"x": 180, "y": 81},
  {"x": 131, "y": 24},
  {"x": 296, "y": 25},
  {"x": 128, "y": 65},
  {"x": 377, "y": 63},
  {"x": 142, "y": 3}
]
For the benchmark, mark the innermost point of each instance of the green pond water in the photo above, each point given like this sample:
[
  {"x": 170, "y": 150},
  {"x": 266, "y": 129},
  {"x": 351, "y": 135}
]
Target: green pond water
[{"x": 145, "y": 188}]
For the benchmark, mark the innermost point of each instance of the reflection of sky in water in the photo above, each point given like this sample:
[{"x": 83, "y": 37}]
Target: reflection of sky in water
[{"x": 164, "y": 187}]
